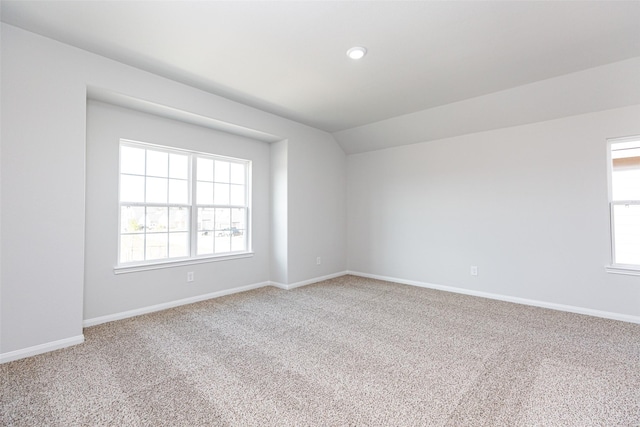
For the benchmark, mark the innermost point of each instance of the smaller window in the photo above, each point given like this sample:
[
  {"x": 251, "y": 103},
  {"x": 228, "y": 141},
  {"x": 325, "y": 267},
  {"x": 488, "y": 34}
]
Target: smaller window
[{"x": 624, "y": 202}]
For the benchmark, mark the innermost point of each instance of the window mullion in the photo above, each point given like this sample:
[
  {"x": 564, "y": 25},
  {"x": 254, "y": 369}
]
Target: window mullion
[
  {"x": 146, "y": 216},
  {"x": 193, "y": 226},
  {"x": 145, "y": 234}
]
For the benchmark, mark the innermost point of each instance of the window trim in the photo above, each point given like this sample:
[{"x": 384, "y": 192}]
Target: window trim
[
  {"x": 122, "y": 269},
  {"x": 613, "y": 267},
  {"x": 193, "y": 258}
]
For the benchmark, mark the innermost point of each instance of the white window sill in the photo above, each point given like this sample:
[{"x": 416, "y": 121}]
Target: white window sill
[
  {"x": 628, "y": 270},
  {"x": 122, "y": 269}
]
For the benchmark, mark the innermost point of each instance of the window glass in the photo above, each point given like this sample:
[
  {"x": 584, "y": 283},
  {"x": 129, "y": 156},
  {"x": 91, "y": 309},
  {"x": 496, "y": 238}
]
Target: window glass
[
  {"x": 178, "y": 166},
  {"x": 205, "y": 169},
  {"x": 237, "y": 173},
  {"x": 220, "y": 194},
  {"x": 157, "y": 163},
  {"x": 204, "y": 193},
  {"x": 131, "y": 188},
  {"x": 625, "y": 177},
  {"x": 627, "y": 234},
  {"x": 221, "y": 171},
  {"x": 156, "y": 190},
  {"x": 237, "y": 195},
  {"x": 132, "y": 160},
  {"x": 178, "y": 191}
]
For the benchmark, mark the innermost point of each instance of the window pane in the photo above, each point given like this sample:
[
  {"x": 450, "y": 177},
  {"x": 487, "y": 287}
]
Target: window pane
[
  {"x": 238, "y": 218},
  {"x": 222, "y": 243},
  {"x": 205, "y": 170},
  {"x": 238, "y": 241},
  {"x": 178, "y": 166},
  {"x": 222, "y": 171},
  {"x": 157, "y": 245},
  {"x": 156, "y": 190},
  {"x": 178, "y": 245},
  {"x": 238, "y": 230},
  {"x": 221, "y": 194},
  {"x": 204, "y": 193},
  {"x": 178, "y": 219},
  {"x": 131, "y": 160},
  {"x": 223, "y": 231},
  {"x": 222, "y": 220},
  {"x": 237, "y": 173},
  {"x": 132, "y": 219},
  {"x": 237, "y": 195},
  {"x": 206, "y": 219},
  {"x": 178, "y": 191},
  {"x": 626, "y": 220},
  {"x": 625, "y": 177},
  {"x": 625, "y": 184},
  {"x": 157, "y": 163},
  {"x": 131, "y": 188},
  {"x": 131, "y": 248},
  {"x": 205, "y": 242},
  {"x": 157, "y": 219}
]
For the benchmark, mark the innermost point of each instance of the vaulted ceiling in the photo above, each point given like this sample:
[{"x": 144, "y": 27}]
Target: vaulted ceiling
[{"x": 288, "y": 57}]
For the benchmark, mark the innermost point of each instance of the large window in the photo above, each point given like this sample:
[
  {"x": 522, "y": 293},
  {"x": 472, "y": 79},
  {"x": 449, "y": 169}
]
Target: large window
[
  {"x": 625, "y": 202},
  {"x": 180, "y": 205}
]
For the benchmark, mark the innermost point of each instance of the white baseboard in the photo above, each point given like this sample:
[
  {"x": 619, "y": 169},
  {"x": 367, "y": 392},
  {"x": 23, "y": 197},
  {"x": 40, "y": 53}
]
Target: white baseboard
[
  {"x": 517, "y": 300},
  {"x": 40, "y": 348},
  {"x": 308, "y": 282},
  {"x": 150, "y": 309}
]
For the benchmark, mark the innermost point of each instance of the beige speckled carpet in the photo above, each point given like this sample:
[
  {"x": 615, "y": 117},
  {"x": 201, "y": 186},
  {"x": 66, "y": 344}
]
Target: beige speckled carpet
[{"x": 348, "y": 351}]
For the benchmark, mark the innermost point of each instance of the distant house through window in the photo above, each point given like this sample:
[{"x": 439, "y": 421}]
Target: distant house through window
[
  {"x": 624, "y": 201},
  {"x": 180, "y": 205}
]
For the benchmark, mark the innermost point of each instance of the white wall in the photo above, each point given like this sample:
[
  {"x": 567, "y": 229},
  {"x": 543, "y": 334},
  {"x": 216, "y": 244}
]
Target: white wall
[
  {"x": 44, "y": 91},
  {"x": 42, "y": 196},
  {"x": 279, "y": 217},
  {"x": 317, "y": 184},
  {"x": 527, "y": 205}
]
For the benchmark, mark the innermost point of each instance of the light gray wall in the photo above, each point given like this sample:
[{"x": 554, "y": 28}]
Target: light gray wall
[
  {"x": 527, "y": 205},
  {"x": 279, "y": 217},
  {"x": 44, "y": 91},
  {"x": 42, "y": 232},
  {"x": 1, "y": 134},
  {"x": 106, "y": 293},
  {"x": 317, "y": 214}
]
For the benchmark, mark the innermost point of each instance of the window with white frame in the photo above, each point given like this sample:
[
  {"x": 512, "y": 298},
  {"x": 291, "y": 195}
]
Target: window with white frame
[
  {"x": 624, "y": 201},
  {"x": 180, "y": 205}
]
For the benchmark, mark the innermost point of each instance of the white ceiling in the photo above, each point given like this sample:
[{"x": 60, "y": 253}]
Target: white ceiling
[{"x": 289, "y": 58}]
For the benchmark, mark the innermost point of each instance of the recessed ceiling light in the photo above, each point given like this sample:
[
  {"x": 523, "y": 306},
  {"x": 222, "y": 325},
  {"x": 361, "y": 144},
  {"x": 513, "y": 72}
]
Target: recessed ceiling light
[{"x": 357, "y": 52}]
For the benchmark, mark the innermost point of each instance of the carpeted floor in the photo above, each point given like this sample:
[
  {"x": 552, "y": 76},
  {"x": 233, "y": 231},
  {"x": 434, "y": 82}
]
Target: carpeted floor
[{"x": 348, "y": 351}]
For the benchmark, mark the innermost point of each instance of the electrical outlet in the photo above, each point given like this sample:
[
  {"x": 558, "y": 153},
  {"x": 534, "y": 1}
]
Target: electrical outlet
[
  {"x": 318, "y": 261},
  {"x": 474, "y": 270},
  {"x": 190, "y": 276}
]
